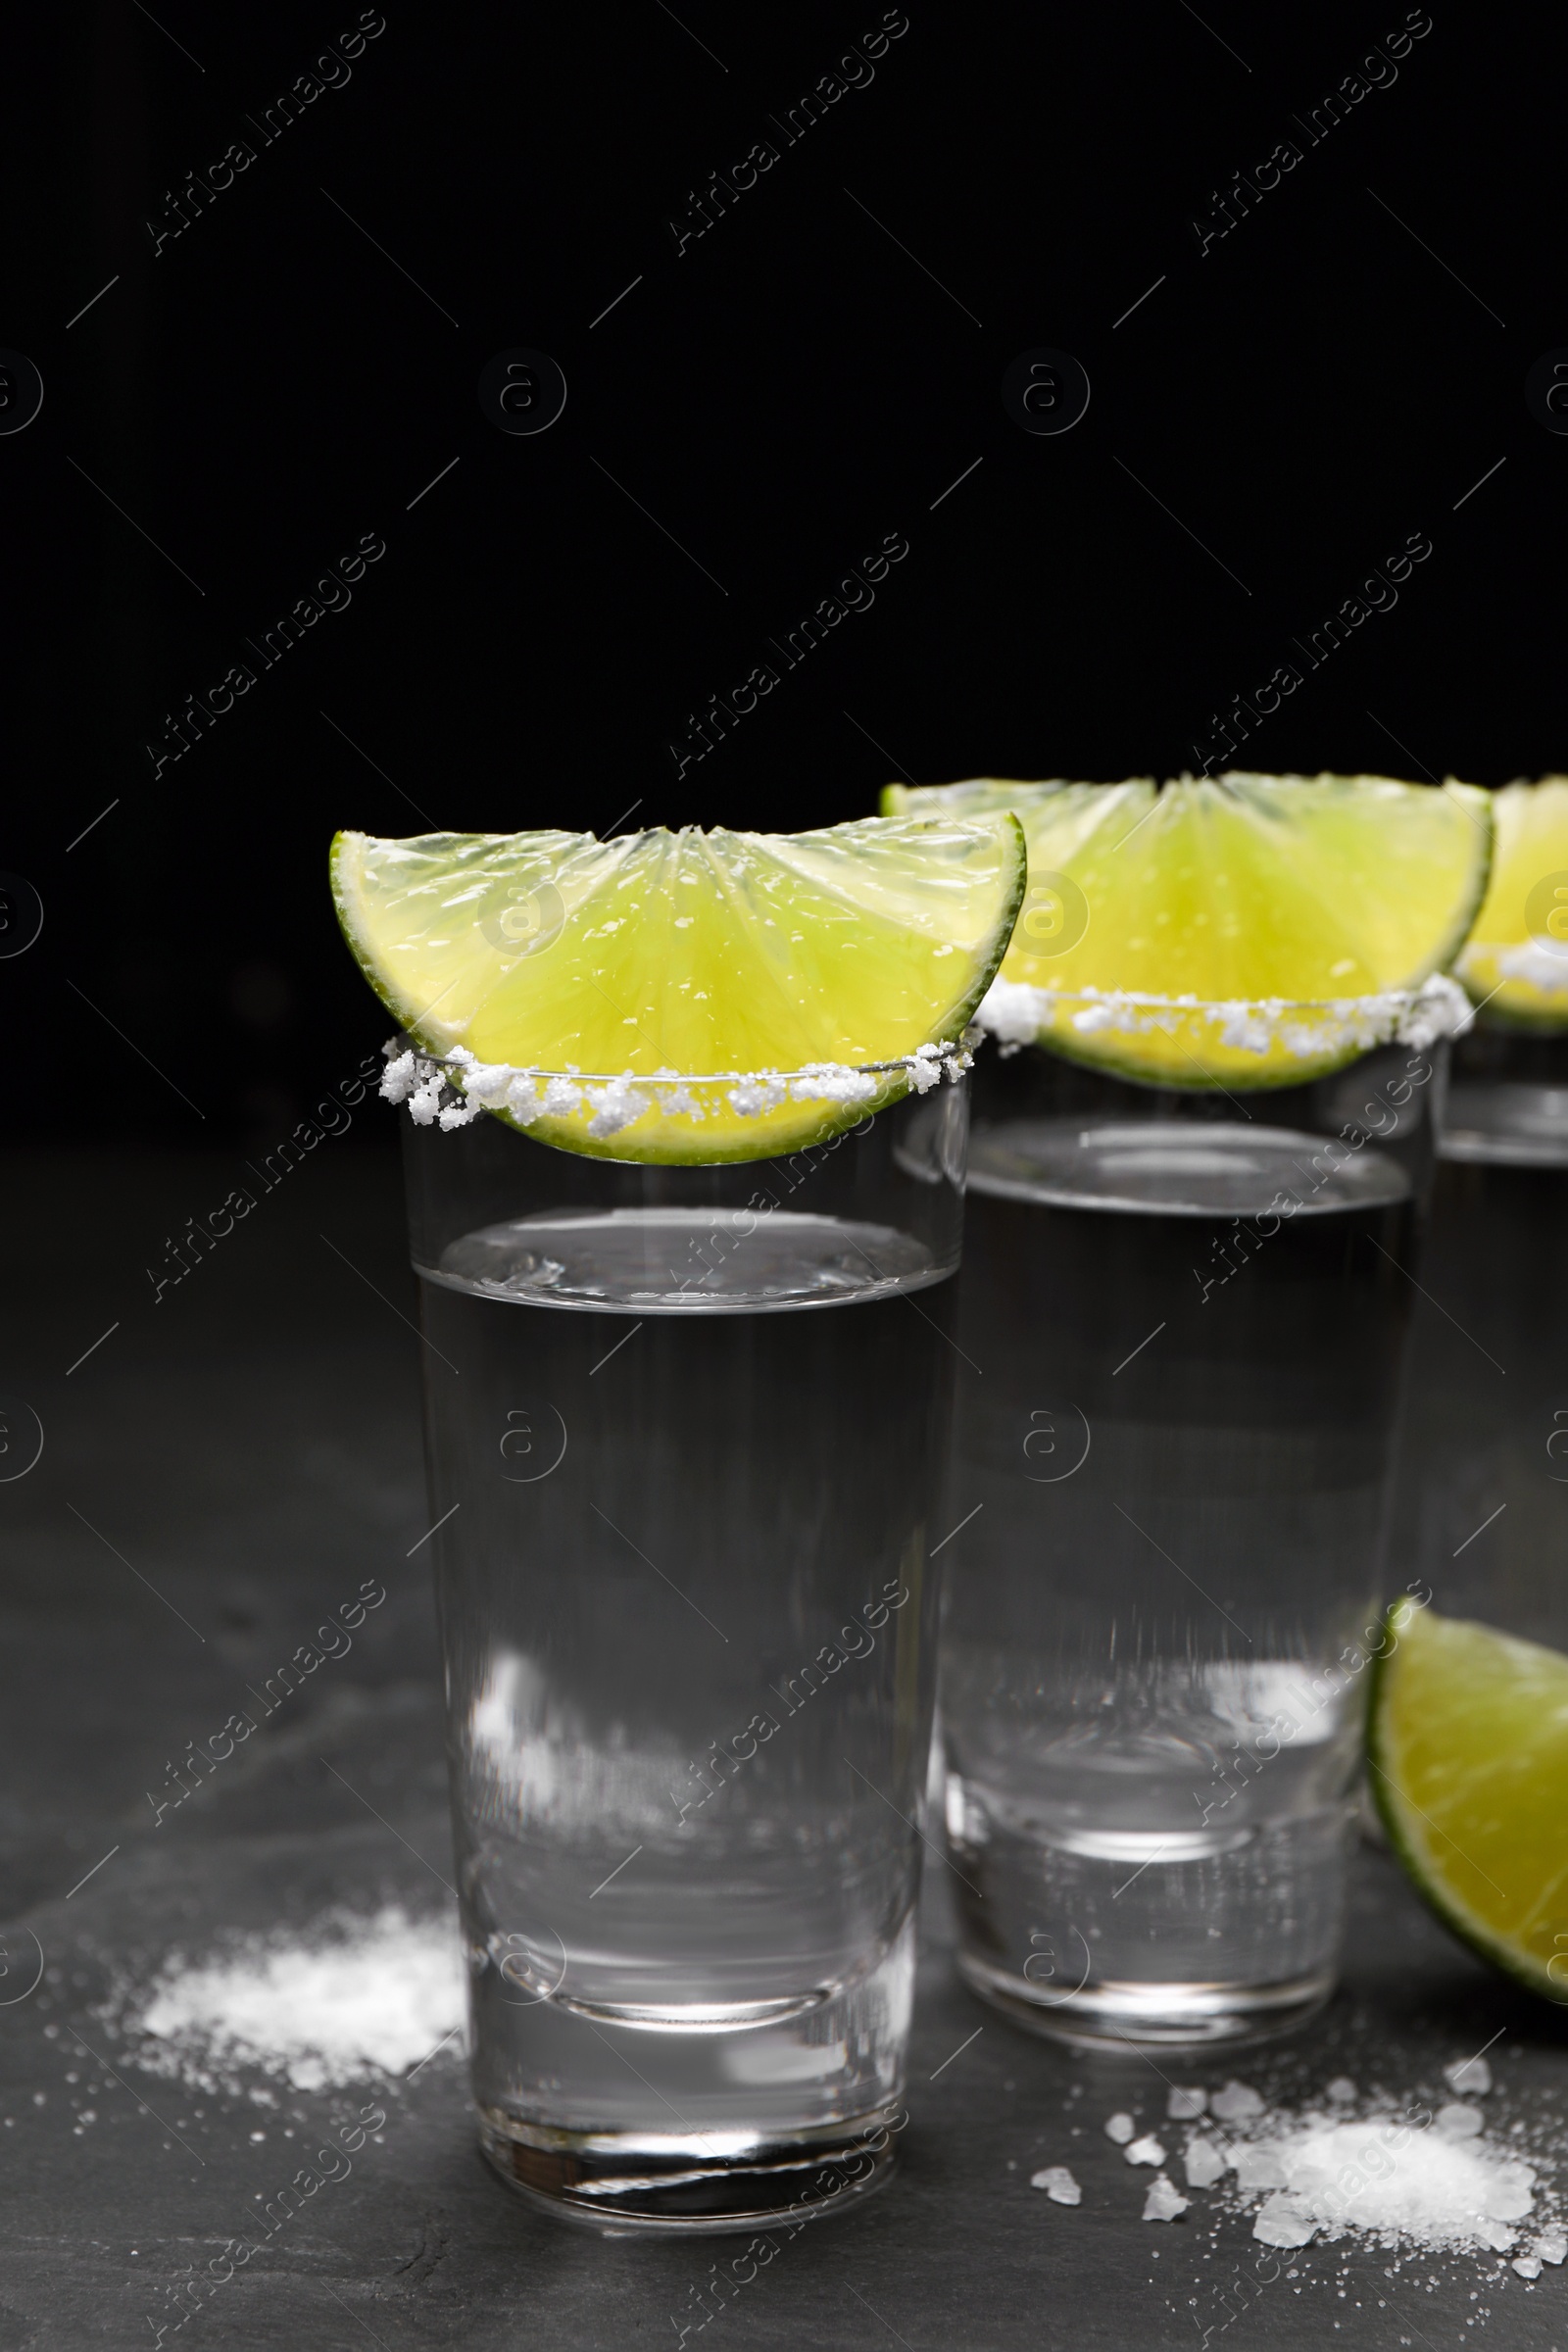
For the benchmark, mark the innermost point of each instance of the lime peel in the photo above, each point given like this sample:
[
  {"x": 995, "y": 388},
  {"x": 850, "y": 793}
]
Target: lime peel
[{"x": 1468, "y": 1745}]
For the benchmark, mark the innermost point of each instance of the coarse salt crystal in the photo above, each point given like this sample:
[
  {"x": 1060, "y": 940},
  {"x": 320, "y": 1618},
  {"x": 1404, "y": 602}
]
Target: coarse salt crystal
[
  {"x": 1470, "y": 2077},
  {"x": 615, "y": 1105},
  {"x": 1058, "y": 2185},
  {"x": 1528, "y": 2266},
  {"x": 1551, "y": 2246},
  {"x": 1205, "y": 2164},
  {"x": 397, "y": 1079},
  {"x": 1458, "y": 2122},
  {"x": 1497, "y": 2235},
  {"x": 1181, "y": 2106},
  {"x": 1146, "y": 2150},
  {"x": 485, "y": 1082},
  {"x": 1342, "y": 2092},
  {"x": 1284, "y": 2222},
  {"x": 1163, "y": 2203},
  {"x": 765, "y": 1092},
  {"x": 680, "y": 1102},
  {"x": 1259, "y": 2168},
  {"x": 1235, "y": 2103},
  {"x": 1119, "y": 2127},
  {"x": 1509, "y": 2192},
  {"x": 1013, "y": 1011},
  {"x": 834, "y": 1082}
]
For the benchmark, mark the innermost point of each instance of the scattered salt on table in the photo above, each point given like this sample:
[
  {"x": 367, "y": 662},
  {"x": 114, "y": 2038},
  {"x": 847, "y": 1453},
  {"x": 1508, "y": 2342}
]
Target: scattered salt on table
[
  {"x": 1120, "y": 2127},
  {"x": 1146, "y": 2150},
  {"x": 1058, "y": 2185}
]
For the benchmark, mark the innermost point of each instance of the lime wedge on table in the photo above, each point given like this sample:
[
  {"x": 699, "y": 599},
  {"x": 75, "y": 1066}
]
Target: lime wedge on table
[
  {"x": 1267, "y": 901},
  {"x": 1468, "y": 1745},
  {"x": 1516, "y": 959},
  {"x": 705, "y": 954}
]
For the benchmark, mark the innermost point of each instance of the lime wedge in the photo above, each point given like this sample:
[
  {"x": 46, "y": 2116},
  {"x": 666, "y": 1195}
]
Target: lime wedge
[
  {"x": 1468, "y": 1745},
  {"x": 1516, "y": 959},
  {"x": 722, "y": 959},
  {"x": 1239, "y": 931}
]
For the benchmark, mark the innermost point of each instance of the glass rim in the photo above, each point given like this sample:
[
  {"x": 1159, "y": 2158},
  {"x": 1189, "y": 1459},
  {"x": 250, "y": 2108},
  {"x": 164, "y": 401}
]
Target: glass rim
[
  {"x": 809, "y": 1069},
  {"x": 460, "y": 1062},
  {"x": 454, "y": 1089},
  {"x": 1438, "y": 988}
]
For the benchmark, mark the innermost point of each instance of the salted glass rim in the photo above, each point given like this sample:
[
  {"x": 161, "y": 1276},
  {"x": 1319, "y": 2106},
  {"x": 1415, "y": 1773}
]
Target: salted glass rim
[
  {"x": 460, "y": 1059},
  {"x": 1394, "y": 999}
]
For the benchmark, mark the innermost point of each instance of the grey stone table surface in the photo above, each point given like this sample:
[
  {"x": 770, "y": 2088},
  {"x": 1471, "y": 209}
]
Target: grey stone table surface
[{"x": 233, "y": 1458}]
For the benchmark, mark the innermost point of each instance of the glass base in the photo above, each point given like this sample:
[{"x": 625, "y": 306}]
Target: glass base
[
  {"x": 619, "y": 2184},
  {"x": 1122, "y": 2016}
]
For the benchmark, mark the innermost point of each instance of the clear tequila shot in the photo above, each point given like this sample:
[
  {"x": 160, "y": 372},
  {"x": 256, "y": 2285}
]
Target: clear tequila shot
[
  {"x": 685, "y": 1435},
  {"x": 1196, "y": 1191},
  {"x": 1482, "y": 1512},
  {"x": 688, "y": 1363},
  {"x": 1187, "y": 1317}
]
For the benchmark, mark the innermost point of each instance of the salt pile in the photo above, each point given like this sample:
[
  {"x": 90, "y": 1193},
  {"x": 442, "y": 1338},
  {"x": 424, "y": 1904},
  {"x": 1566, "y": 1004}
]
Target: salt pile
[
  {"x": 1388, "y": 2179},
  {"x": 359, "y": 1996},
  {"x": 1420, "y": 2176},
  {"x": 1402, "y": 2176}
]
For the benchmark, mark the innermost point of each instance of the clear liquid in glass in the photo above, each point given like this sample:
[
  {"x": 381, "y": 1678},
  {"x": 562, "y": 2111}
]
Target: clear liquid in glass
[
  {"x": 686, "y": 1460},
  {"x": 1179, "y": 1431}
]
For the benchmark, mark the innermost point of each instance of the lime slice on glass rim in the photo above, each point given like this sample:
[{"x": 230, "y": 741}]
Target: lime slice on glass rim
[
  {"x": 690, "y": 996},
  {"x": 1515, "y": 962},
  {"x": 1238, "y": 931},
  {"x": 1468, "y": 1745}
]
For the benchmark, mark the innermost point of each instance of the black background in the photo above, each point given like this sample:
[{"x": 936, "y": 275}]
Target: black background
[{"x": 796, "y": 384}]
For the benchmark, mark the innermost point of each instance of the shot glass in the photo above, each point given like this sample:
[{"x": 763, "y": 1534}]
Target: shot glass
[
  {"x": 1482, "y": 1509},
  {"x": 1184, "y": 1316},
  {"x": 685, "y": 1437}
]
